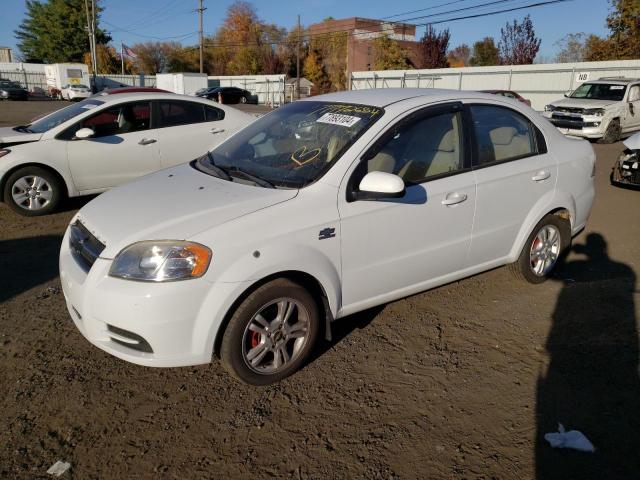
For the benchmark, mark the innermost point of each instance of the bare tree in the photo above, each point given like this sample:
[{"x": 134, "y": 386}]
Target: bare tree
[
  {"x": 572, "y": 48},
  {"x": 519, "y": 44},
  {"x": 434, "y": 46}
]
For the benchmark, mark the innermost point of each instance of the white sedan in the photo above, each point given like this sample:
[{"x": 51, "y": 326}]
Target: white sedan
[
  {"x": 75, "y": 92},
  {"x": 321, "y": 209},
  {"x": 103, "y": 142}
]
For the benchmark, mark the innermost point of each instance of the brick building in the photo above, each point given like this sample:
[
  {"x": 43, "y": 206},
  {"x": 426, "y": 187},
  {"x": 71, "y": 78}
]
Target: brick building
[{"x": 362, "y": 33}]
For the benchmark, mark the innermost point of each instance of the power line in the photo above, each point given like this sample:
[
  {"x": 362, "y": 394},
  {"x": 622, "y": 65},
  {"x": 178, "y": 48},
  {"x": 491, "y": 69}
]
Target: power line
[
  {"x": 120, "y": 29},
  {"x": 423, "y": 9}
]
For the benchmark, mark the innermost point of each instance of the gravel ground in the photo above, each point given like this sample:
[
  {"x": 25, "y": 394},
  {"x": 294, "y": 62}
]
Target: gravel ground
[{"x": 458, "y": 382}]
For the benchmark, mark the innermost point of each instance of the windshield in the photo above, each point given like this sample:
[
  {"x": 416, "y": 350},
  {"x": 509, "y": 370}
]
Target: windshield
[
  {"x": 9, "y": 84},
  {"x": 600, "y": 91},
  {"x": 61, "y": 116},
  {"x": 294, "y": 145}
]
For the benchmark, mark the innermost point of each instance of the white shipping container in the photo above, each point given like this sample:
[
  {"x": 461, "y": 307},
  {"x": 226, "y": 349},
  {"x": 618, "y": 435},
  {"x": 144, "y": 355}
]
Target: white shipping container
[
  {"x": 182, "y": 83},
  {"x": 60, "y": 74}
]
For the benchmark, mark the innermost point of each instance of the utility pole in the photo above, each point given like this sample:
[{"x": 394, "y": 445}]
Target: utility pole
[
  {"x": 298, "y": 63},
  {"x": 92, "y": 37},
  {"x": 200, "y": 12}
]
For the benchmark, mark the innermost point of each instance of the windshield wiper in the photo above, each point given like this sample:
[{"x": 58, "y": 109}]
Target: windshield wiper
[
  {"x": 220, "y": 172},
  {"x": 255, "y": 179},
  {"x": 22, "y": 128}
]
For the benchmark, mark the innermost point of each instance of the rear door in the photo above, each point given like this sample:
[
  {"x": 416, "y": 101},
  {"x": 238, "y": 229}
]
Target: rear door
[
  {"x": 187, "y": 130},
  {"x": 123, "y": 147},
  {"x": 633, "y": 115},
  {"x": 513, "y": 172}
]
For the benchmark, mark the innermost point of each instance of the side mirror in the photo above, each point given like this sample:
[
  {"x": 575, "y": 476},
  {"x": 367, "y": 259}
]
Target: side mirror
[
  {"x": 568, "y": 93},
  {"x": 376, "y": 185},
  {"x": 84, "y": 133}
]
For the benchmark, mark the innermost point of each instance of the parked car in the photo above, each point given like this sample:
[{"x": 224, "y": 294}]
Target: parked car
[
  {"x": 114, "y": 91},
  {"x": 103, "y": 142},
  {"x": 229, "y": 94},
  {"x": 75, "y": 92},
  {"x": 509, "y": 94},
  {"x": 626, "y": 171},
  {"x": 605, "y": 109},
  {"x": 320, "y": 209},
  {"x": 10, "y": 90}
]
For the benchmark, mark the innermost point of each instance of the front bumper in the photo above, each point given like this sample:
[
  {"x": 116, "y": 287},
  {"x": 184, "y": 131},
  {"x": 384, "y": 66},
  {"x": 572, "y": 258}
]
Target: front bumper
[
  {"x": 178, "y": 321},
  {"x": 586, "y": 126},
  {"x": 79, "y": 95},
  {"x": 627, "y": 172}
]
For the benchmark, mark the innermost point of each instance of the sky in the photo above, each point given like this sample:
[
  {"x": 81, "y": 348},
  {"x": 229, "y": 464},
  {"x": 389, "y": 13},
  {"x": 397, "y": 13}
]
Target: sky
[{"x": 134, "y": 21}]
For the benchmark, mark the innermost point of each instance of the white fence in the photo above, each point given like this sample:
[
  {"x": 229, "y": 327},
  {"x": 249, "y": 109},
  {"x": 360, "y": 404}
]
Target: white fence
[
  {"x": 270, "y": 89},
  {"x": 541, "y": 83}
]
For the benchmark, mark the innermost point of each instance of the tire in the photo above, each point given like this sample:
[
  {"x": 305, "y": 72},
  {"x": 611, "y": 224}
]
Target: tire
[
  {"x": 253, "y": 349},
  {"x": 243, "y": 99},
  {"x": 41, "y": 189},
  {"x": 524, "y": 268},
  {"x": 613, "y": 132}
]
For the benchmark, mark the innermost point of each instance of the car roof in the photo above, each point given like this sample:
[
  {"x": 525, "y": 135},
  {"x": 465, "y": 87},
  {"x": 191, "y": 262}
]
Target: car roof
[
  {"x": 382, "y": 97},
  {"x": 130, "y": 96},
  {"x": 615, "y": 80}
]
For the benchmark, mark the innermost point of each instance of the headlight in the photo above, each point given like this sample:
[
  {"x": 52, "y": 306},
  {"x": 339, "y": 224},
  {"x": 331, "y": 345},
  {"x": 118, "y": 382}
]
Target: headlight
[
  {"x": 161, "y": 261},
  {"x": 4, "y": 93},
  {"x": 549, "y": 108},
  {"x": 598, "y": 112},
  {"x": 627, "y": 156},
  {"x": 4, "y": 151}
]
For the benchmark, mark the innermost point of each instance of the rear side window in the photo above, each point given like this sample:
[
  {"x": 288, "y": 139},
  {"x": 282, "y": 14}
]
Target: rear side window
[
  {"x": 173, "y": 113},
  {"x": 213, "y": 114},
  {"x": 501, "y": 134}
]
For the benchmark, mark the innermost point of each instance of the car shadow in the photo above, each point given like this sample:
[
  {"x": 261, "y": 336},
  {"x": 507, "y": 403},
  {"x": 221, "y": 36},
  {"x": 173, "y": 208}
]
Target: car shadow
[
  {"x": 591, "y": 383},
  {"x": 74, "y": 203},
  {"x": 26, "y": 263},
  {"x": 342, "y": 328}
]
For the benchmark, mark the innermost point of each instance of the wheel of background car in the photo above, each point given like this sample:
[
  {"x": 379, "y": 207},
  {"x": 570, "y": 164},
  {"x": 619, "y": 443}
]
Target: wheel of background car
[
  {"x": 243, "y": 99},
  {"x": 271, "y": 333},
  {"x": 612, "y": 134},
  {"x": 32, "y": 191},
  {"x": 546, "y": 245}
]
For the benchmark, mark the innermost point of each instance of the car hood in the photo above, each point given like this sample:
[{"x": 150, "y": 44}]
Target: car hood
[
  {"x": 633, "y": 142},
  {"x": 582, "y": 103},
  {"x": 10, "y": 136},
  {"x": 172, "y": 204}
]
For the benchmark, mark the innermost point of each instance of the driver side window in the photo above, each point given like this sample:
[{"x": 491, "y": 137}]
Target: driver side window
[
  {"x": 119, "y": 119},
  {"x": 634, "y": 93},
  {"x": 426, "y": 148}
]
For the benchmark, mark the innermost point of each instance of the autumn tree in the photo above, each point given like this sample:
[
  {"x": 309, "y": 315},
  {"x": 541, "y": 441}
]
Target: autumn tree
[
  {"x": 389, "y": 55},
  {"x": 459, "y": 56},
  {"x": 485, "y": 53},
  {"x": 109, "y": 61},
  {"x": 315, "y": 72},
  {"x": 519, "y": 44},
  {"x": 623, "y": 42},
  {"x": 154, "y": 57},
  {"x": 55, "y": 31},
  {"x": 332, "y": 48},
  {"x": 572, "y": 47},
  {"x": 433, "y": 48}
]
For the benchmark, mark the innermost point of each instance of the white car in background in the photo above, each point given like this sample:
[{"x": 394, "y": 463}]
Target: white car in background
[
  {"x": 103, "y": 142},
  {"x": 320, "y": 209},
  {"x": 75, "y": 92}
]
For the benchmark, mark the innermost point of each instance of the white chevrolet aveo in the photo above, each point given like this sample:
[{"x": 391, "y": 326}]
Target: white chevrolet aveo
[{"x": 323, "y": 208}]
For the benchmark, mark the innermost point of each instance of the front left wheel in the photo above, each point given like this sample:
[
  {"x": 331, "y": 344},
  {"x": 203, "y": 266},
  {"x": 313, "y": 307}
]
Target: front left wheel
[
  {"x": 271, "y": 333},
  {"x": 32, "y": 191}
]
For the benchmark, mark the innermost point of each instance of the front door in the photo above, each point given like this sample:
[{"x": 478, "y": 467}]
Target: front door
[
  {"x": 123, "y": 147},
  {"x": 394, "y": 247},
  {"x": 632, "y": 122}
]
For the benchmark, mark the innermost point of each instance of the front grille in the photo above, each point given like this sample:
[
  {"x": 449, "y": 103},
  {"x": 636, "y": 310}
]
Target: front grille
[
  {"x": 569, "y": 109},
  {"x": 85, "y": 247},
  {"x": 128, "y": 339}
]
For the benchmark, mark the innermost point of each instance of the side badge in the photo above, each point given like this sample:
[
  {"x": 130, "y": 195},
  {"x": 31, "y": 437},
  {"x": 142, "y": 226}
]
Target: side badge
[{"x": 326, "y": 233}]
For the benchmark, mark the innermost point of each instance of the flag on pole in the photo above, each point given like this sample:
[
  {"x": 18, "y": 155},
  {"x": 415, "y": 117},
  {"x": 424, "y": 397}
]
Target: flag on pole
[{"x": 128, "y": 52}]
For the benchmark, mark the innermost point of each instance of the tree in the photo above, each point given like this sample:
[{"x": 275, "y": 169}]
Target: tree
[
  {"x": 55, "y": 31},
  {"x": 109, "y": 61},
  {"x": 154, "y": 57},
  {"x": 315, "y": 72},
  {"x": 624, "y": 34},
  {"x": 485, "y": 53},
  {"x": 434, "y": 46},
  {"x": 389, "y": 55},
  {"x": 332, "y": 48},
  {"x": 459, "y": 56},
  {"x": 572, "y": 48},
  {"x": 519, "y": 44}
]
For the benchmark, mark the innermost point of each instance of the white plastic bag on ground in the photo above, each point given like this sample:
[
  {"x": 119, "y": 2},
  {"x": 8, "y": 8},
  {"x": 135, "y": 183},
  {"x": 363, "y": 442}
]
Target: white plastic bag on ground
[
  {"x": 58, "y": 468},
  {"x": 571, "y": 439}
]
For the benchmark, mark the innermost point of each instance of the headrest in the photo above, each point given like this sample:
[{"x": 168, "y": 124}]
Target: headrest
[
  {"x": 503, "y": 135},
  {"x": 447, "y": 144}
]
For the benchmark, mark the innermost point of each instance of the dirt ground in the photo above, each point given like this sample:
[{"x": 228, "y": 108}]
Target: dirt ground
[{"x": 459, "y": 382}]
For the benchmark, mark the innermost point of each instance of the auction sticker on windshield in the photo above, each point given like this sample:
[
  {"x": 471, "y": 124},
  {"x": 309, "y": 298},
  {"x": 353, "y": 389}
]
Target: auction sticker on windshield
[{"x": 338, "y": 119}]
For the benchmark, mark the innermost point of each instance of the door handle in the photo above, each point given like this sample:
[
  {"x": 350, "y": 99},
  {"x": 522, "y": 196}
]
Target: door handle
[
  {"x": 217, "y": 130},
  {"x": 454, "y": 198},
  {"x": 147, "y": 141},
  {"x": 541, "y": 175}
]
